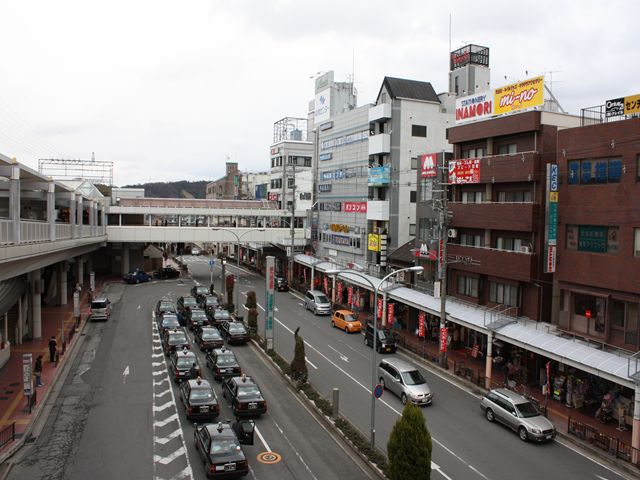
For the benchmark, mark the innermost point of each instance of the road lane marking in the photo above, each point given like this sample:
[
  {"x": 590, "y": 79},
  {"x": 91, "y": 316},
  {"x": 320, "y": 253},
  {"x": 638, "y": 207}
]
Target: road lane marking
[
  {"x": 342, "y": 356},
  {"x": 264, "y": 442},
  {"x": 164, "y": 406},
  {"x": 309, "y": 362},
  {"x": 295, "y": 450},
  {"x": 125, "y": 374},
  {"x": 171, "y": 457}
]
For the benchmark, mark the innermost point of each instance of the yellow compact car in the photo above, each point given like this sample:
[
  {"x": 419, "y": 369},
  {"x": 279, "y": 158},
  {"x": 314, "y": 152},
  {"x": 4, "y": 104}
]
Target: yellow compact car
[{"x": 346, "y": 320}]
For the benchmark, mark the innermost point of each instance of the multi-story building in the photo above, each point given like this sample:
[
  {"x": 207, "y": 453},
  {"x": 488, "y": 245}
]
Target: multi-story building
[
  {"x": 408, "y": 120},
  {"x": 331, "y": 99},
  {"x": 254, "y": 185},
  {"x": 342, "y": 187},
  {"x": 227, "y": 187},
  {"x": 597, "y": 275}
]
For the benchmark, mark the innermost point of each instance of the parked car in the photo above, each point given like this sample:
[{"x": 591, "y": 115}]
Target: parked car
[
  {"x": 221, "y": 450},
  {"x": 244, "y": 395},
  {"x": 198, "y": 290},
  {"x": 405, "y": 380},
  {"x": 208, "y": 338},
  {"x": 196, "y": 251},
  {"x": 220, "y": 315},
  {"x": 234, "y": 332},
  {"x": 174, "y": 340},
  {"x": 183, "y": 305},
  {"x": 208, "y": 303},
  {"x": 196, "y": 318},
  {"x": 168, "y": 321},
  {"x": 137, "y": 276},
  {"x": 100, "y": 309},
  {"x": 199, "y": 400},
  {"x": 517, "y": 413},
  {"x": 165, "y": 273},
  {"x": 184, "y": 365},
  {"x": 317, "y": 302},
  {"x": 385, "y": 342},
  {"x": 282, "y": 284},
  {"x": 165, "y": 306},
  {"x": 346, "y": 320},
  {"x": 223, "y": 363}
]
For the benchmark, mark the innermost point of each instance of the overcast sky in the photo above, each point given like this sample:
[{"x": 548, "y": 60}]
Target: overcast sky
[{"x": 168, "y": 89}]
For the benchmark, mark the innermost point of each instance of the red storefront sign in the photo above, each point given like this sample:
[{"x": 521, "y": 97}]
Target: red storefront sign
[
  {"x": 421, "y": 319},
  {"x": 443, "y": 339},
  {"x": 465, "y": 170},
  {"x": 326, "y": 285},
  {"x": 429, "y": 165},
  {"x": 379, "y": 308},
  {"x": 340, "y": 292},
  {"x": 390, "y": 313},
  {"x": 354, "y": 207},
  {"x": 349, "y": 295}
]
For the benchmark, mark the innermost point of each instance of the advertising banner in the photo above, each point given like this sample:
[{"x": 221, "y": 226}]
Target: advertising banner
[
  {"x": 339, "y": 288},
  {"x": 390, "y": 314},
  {"x": 27, "y": 375},
  {"x": 614, "y": 107},
  {"x": 269, "y": 301},
  {"x": 350, "y": 295},
  {"x": 443, "y": 339},
  {"x": 379, "y": 176},
  {"x": 373, "y": 242},
  {"x": 632, "y": 104},
  {"x": 354, "y": 207},
  {"x": 429, "y": 163},
  {"x": 474, "y": 107},
  {"x": 421, "y": 319},
  {"x": 379, "y": 307},
  {"x": 326, "y": 285},
  {"x": 321, "y": 109},
  {"x": 519, "y": 96},
  {"x": 466, "y": 170}
]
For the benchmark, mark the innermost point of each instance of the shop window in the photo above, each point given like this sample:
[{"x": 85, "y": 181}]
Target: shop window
[
  {"x": 617, "y": 314},
  {"x": 504, "y": 294},
  {"x": 507, "y": 149},
  {"x": 583, "y": 304},
  {"x": 468, "y": 286},
  {"x": 419, "y": 131}
]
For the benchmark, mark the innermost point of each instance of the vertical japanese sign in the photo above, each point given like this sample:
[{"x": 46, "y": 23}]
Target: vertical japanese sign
[
  {"x": 443, "y": 339},
  {"x": 326, "y": 285},
  {"x": 339, "y": 287},
  {"x": 269, "y": 292},
  {"x": 551, "y": 227},
  {"x": 379, "y": 307},
  {"x": 390, "y": 314},
  {"x": 27, "y": 376},
  {"x": 421, "y": 319},
  {"x": 350, "y": 295}
]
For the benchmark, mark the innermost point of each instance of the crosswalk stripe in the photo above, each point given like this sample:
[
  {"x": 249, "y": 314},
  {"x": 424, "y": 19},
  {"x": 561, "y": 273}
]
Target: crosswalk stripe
[
  {"x": 157, "y": 364},
  {"x": 158, "y": 373},
  {"x": 157, "y": 355},
  {"x": 162, "y": 394}
]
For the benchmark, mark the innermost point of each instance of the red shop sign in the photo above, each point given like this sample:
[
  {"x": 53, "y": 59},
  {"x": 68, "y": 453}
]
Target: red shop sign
[
  {"x": 326, "y": 285},
  {"x": 443, "y": 339},
  {"x": 340, "y": 292},
  {"x": 379, "y": 308},
  {"x": 390, "y": 313},
  {"x": 421, "y": 318},
  {"x": 349, "y": 295}
]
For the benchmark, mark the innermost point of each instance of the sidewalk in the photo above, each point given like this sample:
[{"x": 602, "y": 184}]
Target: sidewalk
[{"x": 13, "y": 404}]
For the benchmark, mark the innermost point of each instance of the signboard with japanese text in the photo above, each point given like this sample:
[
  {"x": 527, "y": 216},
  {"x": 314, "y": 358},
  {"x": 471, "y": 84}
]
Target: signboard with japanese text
[
  {"x": 474, "y": 107},
  {"x": 429, "y": 164},
  {"x": 354, "y": 207},
  {"x": 592, "y": 238},
  {"x": 550, "y": 266},
  {"x": 421, "y": 326},
  {"x": 519, "y": 96},
  {"x": 614, "y": 107},
  {"x": 551, "y": 226},
  {"x": 373, "y": 242},
  {"x": 390, "y": 314},
  {"x": 465, "y": 170},
  {"x": 350, "y": 295},
  {"x": 632, "y": 104},
  {"x": 379, "y": 176},
  {"x": 339, "y": 288},
  {"x": 27, "y": 374},
  {"x": 443, "y": 339},
  {"x": 273, "y": 196},
  {"x": 269, "y": 301},
  {"x": 326, "y": 285},
  {"x": 380, "y": 307}
]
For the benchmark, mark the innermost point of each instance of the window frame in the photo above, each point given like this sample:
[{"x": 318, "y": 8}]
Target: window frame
[{"x": 417, "y": 131}]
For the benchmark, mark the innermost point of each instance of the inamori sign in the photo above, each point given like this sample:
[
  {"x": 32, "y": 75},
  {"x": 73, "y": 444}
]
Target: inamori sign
[{"x": 474, "y": 107}]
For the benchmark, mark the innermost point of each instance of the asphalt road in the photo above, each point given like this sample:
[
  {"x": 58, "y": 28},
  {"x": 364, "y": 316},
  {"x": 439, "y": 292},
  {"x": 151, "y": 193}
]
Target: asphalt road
[
  {"x": 465, "y": 445},
  {"x": 116, "y": 415}
]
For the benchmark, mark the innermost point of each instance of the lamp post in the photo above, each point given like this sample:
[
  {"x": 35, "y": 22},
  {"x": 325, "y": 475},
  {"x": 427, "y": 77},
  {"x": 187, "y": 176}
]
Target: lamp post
[
  {"x": 417, "y": 269},
  {"x": 238, "y": 237}
]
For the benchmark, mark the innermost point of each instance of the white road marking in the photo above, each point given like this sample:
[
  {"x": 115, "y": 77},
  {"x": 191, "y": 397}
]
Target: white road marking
[
  {"x": 171, "y": 457},
  {"x": 160, "y": 382},
  {"x": 168, "y": 438},
  {"x": 166, "y": 421},
  {"x": 264, "y": 442},
  {"x": 125, "y": 374},
  {"x": 162, "y": 407},
  {"x": 158, "y": 373},
  {"x": 157, "y": 364},
  {"x": 437, "y": 468},
  {"x": 139, "y": 307},
  {"x": 295, "y": 450},
  {"x": 342, "y": 357},
  {"x": 161, "y": 394},
  {"x": 307, "y": 360}
]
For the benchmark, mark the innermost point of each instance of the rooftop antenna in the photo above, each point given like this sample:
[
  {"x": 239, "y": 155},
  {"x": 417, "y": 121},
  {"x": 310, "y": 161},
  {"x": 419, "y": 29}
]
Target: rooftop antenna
[{"x": 93, "y": 156}]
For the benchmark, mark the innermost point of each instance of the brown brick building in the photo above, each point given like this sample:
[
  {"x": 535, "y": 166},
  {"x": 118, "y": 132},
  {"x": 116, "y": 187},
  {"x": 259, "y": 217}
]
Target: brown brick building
[
  {"x": 497, "y": 255},
  {"x": 227, "y": 187},
  {"x": 598, "y": 266}
]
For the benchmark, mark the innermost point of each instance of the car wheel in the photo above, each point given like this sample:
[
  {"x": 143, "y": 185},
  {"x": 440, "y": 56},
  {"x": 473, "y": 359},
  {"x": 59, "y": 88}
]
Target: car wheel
[
  {"x": 403, "y": 399},
  {"x": 489, "y": 415},
  {"x": 346, "y": 330},
  {"x": 315, "y": 312},
  {"x": 523, "y": 434}
]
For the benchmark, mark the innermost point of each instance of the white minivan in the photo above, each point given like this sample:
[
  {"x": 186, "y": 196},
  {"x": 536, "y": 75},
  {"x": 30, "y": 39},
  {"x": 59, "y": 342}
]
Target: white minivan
[
  {"x": 100, "y": 309},
  {"x": 317, "y": 302}
]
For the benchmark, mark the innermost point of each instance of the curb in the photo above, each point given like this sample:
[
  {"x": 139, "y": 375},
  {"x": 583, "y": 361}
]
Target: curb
[{"x": 326, "y": 422}]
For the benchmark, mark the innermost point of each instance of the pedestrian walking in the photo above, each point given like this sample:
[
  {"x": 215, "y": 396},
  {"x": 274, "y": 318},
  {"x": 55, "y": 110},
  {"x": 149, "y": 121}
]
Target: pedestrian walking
[
  {"x": 52, "y": 349},
  {"x": 193, "y": 371},
  {"x": 38, "y": 371}
]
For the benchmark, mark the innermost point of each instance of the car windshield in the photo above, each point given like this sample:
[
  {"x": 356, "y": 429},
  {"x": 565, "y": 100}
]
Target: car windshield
[
  {"x": 185, "y": 361},
  {"x": 211, "y": 301},
  {"x": 413, "y": 377},
  {"x": 350, "y": 318},
  {"x": 527, "y": 410},
  {"x": 236, "y": 327},
  {"x": 198, "y": 315},
  {"x": 210, "y": 335},
  {"x": 226, "y": 360},
  {"x": 166, "y": 306},
  {"x": 97, "y": 305},
  {"x": 248, "y": 391},
  {"x": 190, "y": 302},
  {"x": 321, "y": 299},
  {"x": 177, "y": 337},
  {"x": 221, "y": 446},
  {"x": 221, "y": 314},
  {"x": 383, "y": 335},
  {"x": 170, "y": 322},
  {"x": 201, "y": 394}
]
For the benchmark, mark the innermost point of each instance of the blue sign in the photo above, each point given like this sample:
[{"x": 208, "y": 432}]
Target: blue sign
[
  {"x": 554, "y": 178},
  {"x": 379, "y": 176},
  {"x": 212, "y": 262},
  {"x": 378, "y": 390},
  {"x": 325, "y": 156}
]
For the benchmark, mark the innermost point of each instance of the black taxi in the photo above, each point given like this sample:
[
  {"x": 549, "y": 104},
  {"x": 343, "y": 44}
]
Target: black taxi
[
  {"x": 199, "y": 400},
  {"x": 221, "y": 451},
  {"x": 223, "y": 363},
  {"x": 245, "y": 396},
  {"x": 184, "y": 365}
]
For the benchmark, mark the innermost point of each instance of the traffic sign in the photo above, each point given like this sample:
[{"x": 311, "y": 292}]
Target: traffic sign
[
  {"x": 212, "y": 262},
  {"x": 377, "y": 391}
]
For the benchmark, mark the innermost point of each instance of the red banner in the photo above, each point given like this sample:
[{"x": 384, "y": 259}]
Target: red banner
[
  {"x": 349, "y": 295},
  {"x": 354, "y": 207},
  {"x": 421, "y": 318},
  {"x": 465, "y": 170},
  {"x": 443, "y": 339},
  {"x": 326, "y": 285},
  {"x": 390, "y": 313},
  {"x": 340, "y": 292},
  {"x": 379, "y": 308},
  {"x": 429, "y": 165}
]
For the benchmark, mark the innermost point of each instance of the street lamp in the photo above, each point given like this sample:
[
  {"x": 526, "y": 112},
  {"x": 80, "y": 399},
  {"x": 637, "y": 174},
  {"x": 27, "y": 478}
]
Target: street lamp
[
  {"x": 418, "y": 270},
  {"x": 238, "y": 237}
]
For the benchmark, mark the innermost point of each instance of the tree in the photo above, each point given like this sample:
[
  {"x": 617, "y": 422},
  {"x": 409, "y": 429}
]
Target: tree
[
  {"x": 409, "y": 446},
  {"x": 299, "y": 365},
  {"x": 229, "y": 284},
  {"x": 251, "y": 300}
]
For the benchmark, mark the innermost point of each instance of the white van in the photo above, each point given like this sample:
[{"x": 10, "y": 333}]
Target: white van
[{"x": 100, "y": 309}]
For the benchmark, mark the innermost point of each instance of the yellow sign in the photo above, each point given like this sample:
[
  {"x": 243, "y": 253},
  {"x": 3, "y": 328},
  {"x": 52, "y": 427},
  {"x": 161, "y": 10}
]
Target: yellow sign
[
  {"x": 632, "y": 104},
  {"x": 553, "y": 196},
  {"x": 374, "y": 242},
  {"x": 519, "y": 96}
]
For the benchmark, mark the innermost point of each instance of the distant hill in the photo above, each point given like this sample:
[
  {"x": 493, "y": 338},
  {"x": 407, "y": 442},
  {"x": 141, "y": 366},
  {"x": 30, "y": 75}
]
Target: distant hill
[{"x": 180, "y": 189}]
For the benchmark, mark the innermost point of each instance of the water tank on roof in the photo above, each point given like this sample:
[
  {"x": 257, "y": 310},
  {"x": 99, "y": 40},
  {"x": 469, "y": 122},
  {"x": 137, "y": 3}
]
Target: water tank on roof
[{"x": 295, "y": 135}]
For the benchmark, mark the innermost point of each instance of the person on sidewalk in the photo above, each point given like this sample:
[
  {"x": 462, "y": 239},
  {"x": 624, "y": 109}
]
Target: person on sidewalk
[
  {"x": 38, "y": 371},
  {"x": 52, "y": 349}
]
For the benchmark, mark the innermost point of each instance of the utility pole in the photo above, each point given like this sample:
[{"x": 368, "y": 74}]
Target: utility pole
[
  {"x": 443, "y": 234},
  {"x": 291, "y": 223}
]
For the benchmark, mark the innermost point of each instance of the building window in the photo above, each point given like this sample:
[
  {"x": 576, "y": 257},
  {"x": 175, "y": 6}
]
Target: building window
[
  {"x": 471, "y": 240},
  {"x": 636, "y": 242},
  {"x": 412, "y": 229},
  {"x": 504, "y": 294},
  {"x": 515, "y": 197},
  {"x": 290, "y": 182},
  {"x": 594, "y": 171},
  {"x": 507, "y": 149},
  {"x": 414, "y": 163},
  {"x": 426, "y": 190},
  {"x": 473, "y": 153},
  {"x": 276, "y": 183},
  {"x": 468, "y": 286},
  {"x": 507, "y": 243},
  {"x": 472, "y": 197},
  {"x": 412, "y": 196},
  {"x": 418, "y": 131}
]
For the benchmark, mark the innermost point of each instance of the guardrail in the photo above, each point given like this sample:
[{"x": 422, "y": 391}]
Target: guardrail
[
  {"x": 33, "y": 231},
  {"x": 609, "y": 444},
  {"x": 64, "y": 231},
  {"x": 8, "y": 434},
  {"x": 6, "y": 237}
]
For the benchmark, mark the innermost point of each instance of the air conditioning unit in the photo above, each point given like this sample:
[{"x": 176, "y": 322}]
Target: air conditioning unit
[
  {"x": 452, "y": 233},
  {"x": 525, "y": 249}
]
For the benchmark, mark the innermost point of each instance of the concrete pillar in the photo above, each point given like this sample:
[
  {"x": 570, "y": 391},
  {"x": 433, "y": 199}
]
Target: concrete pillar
[
  {"x": 36, "y": 303},
  {"x": 125, "y": 258},
  {"x": 80, "y": 270},
  {"x": 79, "y": 201},
  {"x": 635, "y": 432},
  {"x": 62, "y": 278},
  {"x": 14, "y": 203},
  {"x": 51, "y": 210},
  {"x": 72, "y": 215},
  {"x": 488, "y": 361}
]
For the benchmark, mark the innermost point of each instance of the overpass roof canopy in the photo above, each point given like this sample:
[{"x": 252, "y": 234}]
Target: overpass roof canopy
[{"x": 198, "y": 203}]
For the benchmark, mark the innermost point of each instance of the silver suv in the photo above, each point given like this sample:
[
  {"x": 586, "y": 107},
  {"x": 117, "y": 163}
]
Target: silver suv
[
  {"x": 517, "y": 413},
  {"x": 100, "y": 308},
  {"x": 317, "y": 302},
  {"x": 405, "y": 380}
]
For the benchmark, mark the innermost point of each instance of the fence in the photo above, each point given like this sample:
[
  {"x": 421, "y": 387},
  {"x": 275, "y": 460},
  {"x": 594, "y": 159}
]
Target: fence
[
  {"x": 8, "y": 434},
  {"x": 609, "y": 444},
  {"x": 33, "y": 231}
]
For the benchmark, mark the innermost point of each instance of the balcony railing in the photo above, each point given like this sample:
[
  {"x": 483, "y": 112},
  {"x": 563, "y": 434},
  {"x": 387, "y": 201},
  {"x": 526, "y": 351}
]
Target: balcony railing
[
  {"x": 6, "y": 236},
  {"x": 64, "y": 231},
  {"x": 520, "y": 217},
  {"x": 33, "y": 231},
  {"x": 514, "y": 167},
  {"x": 38, "y": 231},
  {"x": 380, "y": 143},
  {"x": 493, "y": 262}
]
